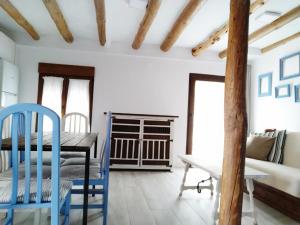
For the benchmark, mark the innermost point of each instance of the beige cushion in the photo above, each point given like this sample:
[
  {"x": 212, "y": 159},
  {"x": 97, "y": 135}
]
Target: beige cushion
[
  {"x": 291, "y": 150},
  {"x": 258, "y": 147},
  {"x": 281, "y": 177}
]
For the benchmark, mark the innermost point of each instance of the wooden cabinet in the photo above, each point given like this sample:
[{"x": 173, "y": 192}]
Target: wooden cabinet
[{"x": 142, "y": 141}]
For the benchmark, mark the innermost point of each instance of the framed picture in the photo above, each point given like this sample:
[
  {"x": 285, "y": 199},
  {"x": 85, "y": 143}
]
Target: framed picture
[
  {"x": 283, "y": 91},
  {"x": 290, "y": 66},
  {"x": 297, "y": 93},
  {"x": 265, "y": 85}
]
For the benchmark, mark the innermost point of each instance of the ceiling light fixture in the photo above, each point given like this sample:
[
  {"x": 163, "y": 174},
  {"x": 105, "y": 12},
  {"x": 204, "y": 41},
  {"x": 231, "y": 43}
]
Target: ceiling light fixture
[
  {"x": 137, "y": 4},
  {"x": 268, "y": 16}
]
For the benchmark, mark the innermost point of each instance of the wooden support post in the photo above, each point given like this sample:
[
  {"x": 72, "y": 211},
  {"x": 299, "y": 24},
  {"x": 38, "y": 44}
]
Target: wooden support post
[
  {"x": 181, "y": 23},
  {"x": 151, "y": 12},
  {"x": 235, "y": 115}
]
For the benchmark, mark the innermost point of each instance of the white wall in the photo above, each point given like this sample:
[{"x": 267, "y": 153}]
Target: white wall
[
  {"x": 271, "y": 112},
  {"x": 7, "y": 48},
  {"x": 123, "y": 83}
]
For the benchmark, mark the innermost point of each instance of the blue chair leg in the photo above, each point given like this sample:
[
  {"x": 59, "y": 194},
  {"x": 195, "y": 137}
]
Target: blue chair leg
[
  {"x": 105, "y": 205},
  {"x": 9, "y": 217},
  {"x": 67, "y": 208}
]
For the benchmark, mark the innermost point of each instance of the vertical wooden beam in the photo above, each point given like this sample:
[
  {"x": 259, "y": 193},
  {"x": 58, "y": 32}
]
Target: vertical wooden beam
[
  {"x": 101, "y": 21},
  {"x": 19, "y": 18},
  {"x": 59, "y": 20},
  {"x": 181, "y": 23},
  {"x": 151, "y": 12},
  {"x": 235, "y": 115}
]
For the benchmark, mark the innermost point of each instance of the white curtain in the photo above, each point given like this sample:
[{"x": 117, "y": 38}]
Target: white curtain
[
  {"x": 51, "y": 98},
  {"x": 78, "y": 97}
]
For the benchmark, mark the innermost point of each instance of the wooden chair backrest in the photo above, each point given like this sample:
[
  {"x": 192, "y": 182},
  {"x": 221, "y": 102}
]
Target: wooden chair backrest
[{"x": 75, "y": 122}]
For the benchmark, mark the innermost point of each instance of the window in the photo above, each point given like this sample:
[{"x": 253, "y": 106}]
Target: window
[{"x": 62, "y": 87}]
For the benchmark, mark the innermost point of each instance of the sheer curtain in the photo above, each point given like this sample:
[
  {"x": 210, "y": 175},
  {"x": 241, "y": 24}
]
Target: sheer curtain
[
  {"x": 52, "y": 91},
  {"x": 78, "y": 99}
]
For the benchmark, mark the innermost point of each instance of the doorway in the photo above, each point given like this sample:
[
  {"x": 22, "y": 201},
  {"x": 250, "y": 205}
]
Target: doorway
[{"x": 205, "y": 130}]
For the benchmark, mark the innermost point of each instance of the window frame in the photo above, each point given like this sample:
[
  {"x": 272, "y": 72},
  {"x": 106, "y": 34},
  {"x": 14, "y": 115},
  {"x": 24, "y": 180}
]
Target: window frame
[
  {"x": 193, "y": 78},
  {"x": 67, "y": 72}
]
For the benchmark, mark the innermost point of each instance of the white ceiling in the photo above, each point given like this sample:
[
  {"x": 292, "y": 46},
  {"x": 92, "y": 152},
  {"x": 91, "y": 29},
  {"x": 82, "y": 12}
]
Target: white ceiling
[{"x": 123, "y": 21}]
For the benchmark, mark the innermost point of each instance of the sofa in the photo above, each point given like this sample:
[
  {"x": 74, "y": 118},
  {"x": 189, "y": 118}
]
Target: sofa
[{"x": 282, "y": 189}]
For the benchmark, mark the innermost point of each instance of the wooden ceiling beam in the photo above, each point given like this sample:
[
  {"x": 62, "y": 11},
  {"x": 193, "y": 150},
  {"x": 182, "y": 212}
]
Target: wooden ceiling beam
[
  {"x": 59, "y": 19},
  {"x": 150, "y": 14},
  {"x": 19, "y": 18},
  {"x": 216, "y": 36},
  {"x": 181, "y": 23},
  {"x": 279, "y": 43},
  {"x": 267, "y": 29},
  {"x": 101, "y": 21}
]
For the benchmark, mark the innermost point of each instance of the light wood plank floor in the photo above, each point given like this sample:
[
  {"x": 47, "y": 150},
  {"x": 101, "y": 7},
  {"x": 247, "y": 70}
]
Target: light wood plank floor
[{"x": 150, "y": 198}]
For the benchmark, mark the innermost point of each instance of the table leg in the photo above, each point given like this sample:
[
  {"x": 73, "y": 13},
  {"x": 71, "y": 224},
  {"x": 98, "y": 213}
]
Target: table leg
[
  {"x": 216, "y": 203},
  {"x": 95, "y": 156},
  {"x": 187, "y": 167},
  {"x": 250, "y": 189},
  {"x": 86, "y": 187}
]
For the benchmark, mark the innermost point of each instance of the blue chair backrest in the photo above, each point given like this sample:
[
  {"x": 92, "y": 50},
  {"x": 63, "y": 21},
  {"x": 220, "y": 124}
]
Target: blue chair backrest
[
  {"x": 107, "y": 144},
  {"x": 26, "y": 111}
]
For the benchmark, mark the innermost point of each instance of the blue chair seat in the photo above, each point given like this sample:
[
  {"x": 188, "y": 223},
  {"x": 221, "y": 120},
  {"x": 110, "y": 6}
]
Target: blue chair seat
[
  {"x": 72, "y": 172},
  {"x": 7, "y": 174},
  {"x": 5, "y": 192}
]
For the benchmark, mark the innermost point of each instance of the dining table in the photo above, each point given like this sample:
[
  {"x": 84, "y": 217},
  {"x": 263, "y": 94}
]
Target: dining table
[{"x": 70, "y": 142}]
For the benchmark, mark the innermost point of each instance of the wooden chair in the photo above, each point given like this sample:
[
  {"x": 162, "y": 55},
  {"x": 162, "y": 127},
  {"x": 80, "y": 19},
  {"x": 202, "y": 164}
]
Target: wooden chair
[
  {"x": 99, "y": 175},
  {"x": 75, "y": 123},
  {"x": 34, "y": 192}
]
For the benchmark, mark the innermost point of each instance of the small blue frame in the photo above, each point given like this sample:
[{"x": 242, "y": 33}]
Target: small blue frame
[
  {"x": 297, "y": 93},
  {"x": 262, "y": 93},
  {"x": 284, "y": 86},
  {"x": 281, "y": 69}
]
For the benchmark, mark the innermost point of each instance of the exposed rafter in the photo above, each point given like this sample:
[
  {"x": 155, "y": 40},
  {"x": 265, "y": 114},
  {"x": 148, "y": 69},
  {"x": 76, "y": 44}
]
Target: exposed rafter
[
  {"x": 151, "y": 12},
  {"x": 181, "y": 23},
  {"x": 19, "y": 18},
  {"x": 279, "y": 43},
  {"x": 58, "y": 19},
  {"x": 276, "y": 24},
  {"x": 215, "y": 36},
  {"x": 101, "y": 21}
]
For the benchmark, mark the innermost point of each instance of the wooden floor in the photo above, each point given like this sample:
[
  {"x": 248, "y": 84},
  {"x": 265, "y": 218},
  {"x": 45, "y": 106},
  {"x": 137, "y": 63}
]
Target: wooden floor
[{"x": 150, "y": 198}]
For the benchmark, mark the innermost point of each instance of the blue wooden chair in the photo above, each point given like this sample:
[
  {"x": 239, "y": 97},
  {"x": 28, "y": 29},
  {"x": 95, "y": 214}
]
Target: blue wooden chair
[
  {"x": 34, "y": 192},
  {"x": 101, "y": 178}
]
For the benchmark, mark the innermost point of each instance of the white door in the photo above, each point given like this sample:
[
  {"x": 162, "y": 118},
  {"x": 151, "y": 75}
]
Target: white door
[{"x": 208, "y": 125}]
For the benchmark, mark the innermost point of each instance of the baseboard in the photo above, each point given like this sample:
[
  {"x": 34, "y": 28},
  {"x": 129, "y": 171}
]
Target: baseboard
[{"x": 285, "y": 203}]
